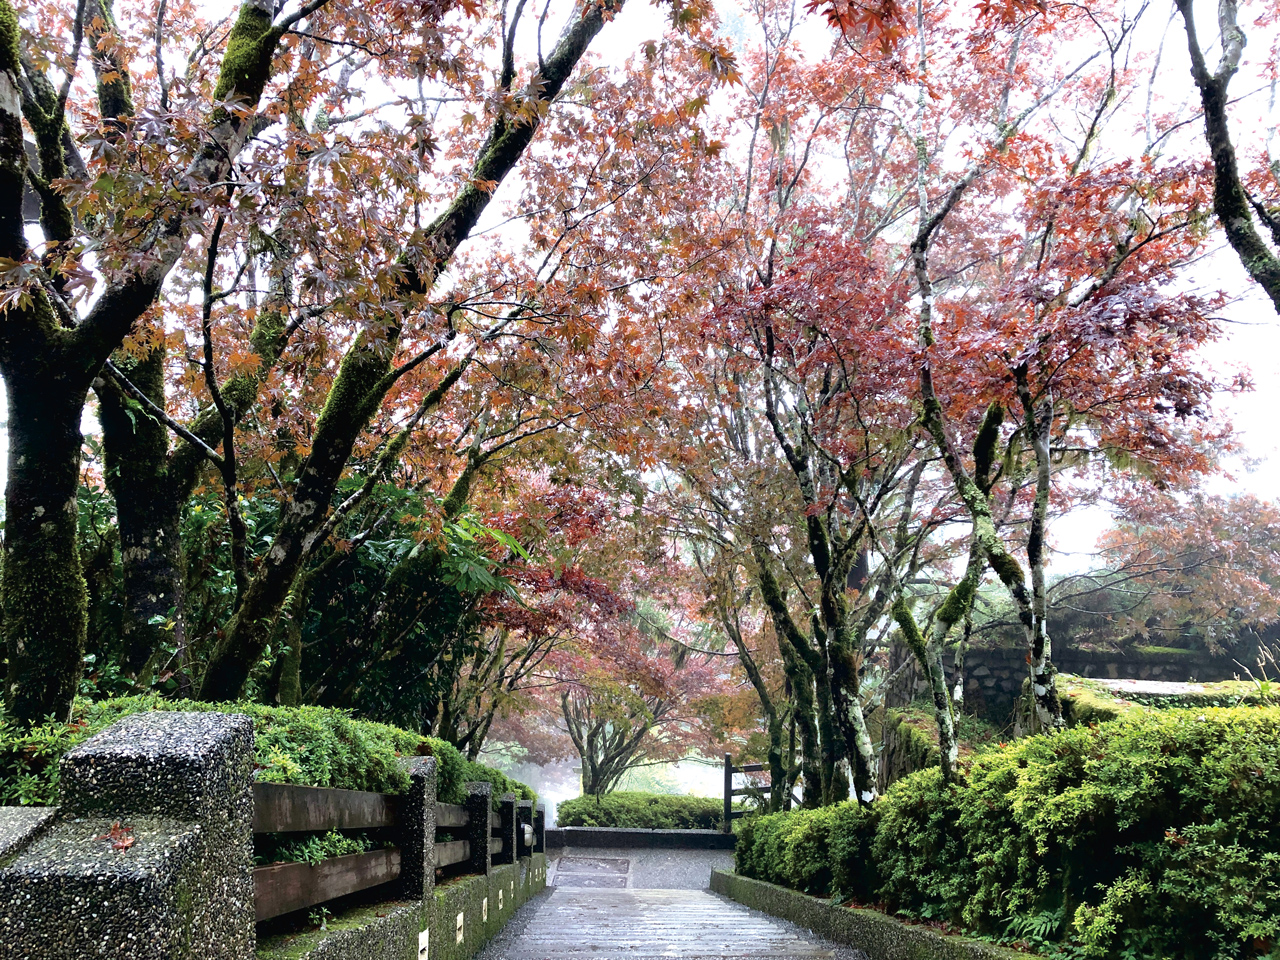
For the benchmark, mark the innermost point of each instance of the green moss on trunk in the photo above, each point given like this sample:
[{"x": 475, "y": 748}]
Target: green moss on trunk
[
  {"x": 13, "y": 158},
  {"x": 246, "y": 66},
  {"x": 148, "y": 512},
  {"x": 44, "y": 597}
]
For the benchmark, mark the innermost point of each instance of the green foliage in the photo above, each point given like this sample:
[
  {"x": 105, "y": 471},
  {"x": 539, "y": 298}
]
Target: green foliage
[
  {"x": 454, "y": 771},
  {"x": 312, "y": 746},
  {"x": 411, "y": 594},
  {"x": 1156, "y": 835},
  {"x": 822, "y": 852},
  {"x": 308, "y": 847},
  {"x": 645, "y": 811}
]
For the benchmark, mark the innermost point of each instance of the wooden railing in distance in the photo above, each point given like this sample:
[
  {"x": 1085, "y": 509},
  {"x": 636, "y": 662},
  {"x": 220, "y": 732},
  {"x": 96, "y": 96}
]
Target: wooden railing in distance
[
  {"x": 730, "y": 791},
  {"x": 281, "y": 888}
]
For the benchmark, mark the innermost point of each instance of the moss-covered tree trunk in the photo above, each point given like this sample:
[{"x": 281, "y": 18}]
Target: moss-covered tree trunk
[
  {"x": 44, "y": 594},
  {"x": 136, "y": 448},
  {"x": 1231, "y": 200},
  {"x": 779, "y": 771},
  {"x": 797, "y": 662}
]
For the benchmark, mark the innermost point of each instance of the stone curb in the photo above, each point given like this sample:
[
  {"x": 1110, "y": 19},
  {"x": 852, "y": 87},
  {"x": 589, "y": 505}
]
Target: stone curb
[{"x": 878, "y": 935}]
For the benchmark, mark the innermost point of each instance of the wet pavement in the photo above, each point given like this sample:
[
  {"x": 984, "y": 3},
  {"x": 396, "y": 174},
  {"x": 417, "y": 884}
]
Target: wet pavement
[{"x": 640, "y": 904}]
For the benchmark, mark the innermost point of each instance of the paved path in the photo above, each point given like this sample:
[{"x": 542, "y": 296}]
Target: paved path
[
  {"x": 618, "y": 869},
  {"x": 596, "y": 910},
  {"x": 580, "y": 924}
]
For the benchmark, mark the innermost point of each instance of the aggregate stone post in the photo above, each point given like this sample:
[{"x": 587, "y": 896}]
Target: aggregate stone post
[
  {"x": 540, "y": 830},
  {"x": 417, "y": 830},
  {"x": 524, "y": 819},
  {"x": 478, "y": 806},
  {"x": 151, "y": 855},
  {"x": 506, "y": 829}
]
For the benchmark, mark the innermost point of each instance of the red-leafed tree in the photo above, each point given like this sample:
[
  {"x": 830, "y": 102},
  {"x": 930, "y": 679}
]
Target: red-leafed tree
[{"x": 1195, "y": 568}]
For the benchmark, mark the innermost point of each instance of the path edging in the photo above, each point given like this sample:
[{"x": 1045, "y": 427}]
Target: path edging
[{"x": 878, "y": 935}]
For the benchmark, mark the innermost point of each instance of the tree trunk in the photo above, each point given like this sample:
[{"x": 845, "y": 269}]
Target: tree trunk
[
  {"x": 44, "y": 599},
  {"x": 136, "y": 449},
  {"x": 835, "y": 763},
  {"x": 1045, "y": 707},
  {"x": 1231, "y": 200},
  {"x": 804, "y": 714}
]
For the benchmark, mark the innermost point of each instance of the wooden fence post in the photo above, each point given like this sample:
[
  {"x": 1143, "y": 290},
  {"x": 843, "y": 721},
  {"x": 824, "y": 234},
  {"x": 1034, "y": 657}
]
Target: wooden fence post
[
  {"x": 728, "y": 793},
  {"x": 479, "y": 805}
]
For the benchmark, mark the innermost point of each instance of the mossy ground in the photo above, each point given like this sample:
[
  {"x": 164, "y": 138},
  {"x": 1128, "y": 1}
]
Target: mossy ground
[{"x": 1087, "y": 701}]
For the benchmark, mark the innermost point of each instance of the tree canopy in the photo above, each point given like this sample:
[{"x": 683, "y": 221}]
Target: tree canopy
[{"x": 434, "y": 366}]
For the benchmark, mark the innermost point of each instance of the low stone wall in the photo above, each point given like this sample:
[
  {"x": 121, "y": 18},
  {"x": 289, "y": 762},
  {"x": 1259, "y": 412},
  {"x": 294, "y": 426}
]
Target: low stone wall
[
  {"x": 465, "y": 914},
  {"x": 150, "y": 857},
  {"x": 993, "y": 677},
  {"x": 626, "y": 837},
  {"x": 455, "y": 921},
  {"x": 878, "y": 935}
]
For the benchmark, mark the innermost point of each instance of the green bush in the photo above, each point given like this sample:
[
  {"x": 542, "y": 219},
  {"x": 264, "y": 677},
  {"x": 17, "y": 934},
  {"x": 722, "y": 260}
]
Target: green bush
[
  {"x": 824, "y": 851},
  {"x": 311, "y": 746},
  {"x": 1156, "y": 835},
  {"x": 651, "y": 811}
]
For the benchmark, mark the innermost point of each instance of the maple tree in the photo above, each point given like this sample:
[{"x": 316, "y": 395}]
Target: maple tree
[
  {"x": 1021, "y": 333},
  {"x": 281, "y": 166},
  {"x": 1211, "y": 575}
]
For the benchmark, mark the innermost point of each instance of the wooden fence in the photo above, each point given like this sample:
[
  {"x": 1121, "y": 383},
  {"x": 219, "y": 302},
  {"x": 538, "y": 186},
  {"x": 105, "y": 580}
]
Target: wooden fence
[
  {"x": 513, "y": 831},
  {"x": 730, "y": 791}
]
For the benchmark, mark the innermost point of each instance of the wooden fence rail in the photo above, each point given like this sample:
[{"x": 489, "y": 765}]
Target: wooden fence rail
[
  {"x": 281, "y": 888},
  {"x": 730, "y": 791},
  {"x": 285, "y": 808}
]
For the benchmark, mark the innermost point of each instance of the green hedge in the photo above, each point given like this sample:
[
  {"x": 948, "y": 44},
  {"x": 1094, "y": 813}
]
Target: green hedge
[
  {"x": 1156, "y": 835},
  {"x": 646, "y": 811},
  {"x": 311, "y": 746},
  {"x": 816, "y": 851}
]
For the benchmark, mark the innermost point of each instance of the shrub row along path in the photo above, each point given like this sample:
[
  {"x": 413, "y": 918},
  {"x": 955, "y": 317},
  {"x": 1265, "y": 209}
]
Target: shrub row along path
[{"x": 596, "y": 907}]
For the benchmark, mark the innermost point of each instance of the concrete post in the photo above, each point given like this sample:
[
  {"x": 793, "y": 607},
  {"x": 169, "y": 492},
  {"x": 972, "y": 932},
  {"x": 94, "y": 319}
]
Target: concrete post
[
  {"x": 524, "y": 818},
  {"x": 478, "y": 806},
  {"x": 151, "y": 854},
  {"x": 540, "y": 830},
  {"x": 506, "y": 829},
  {"x": 417, "y": 830}
]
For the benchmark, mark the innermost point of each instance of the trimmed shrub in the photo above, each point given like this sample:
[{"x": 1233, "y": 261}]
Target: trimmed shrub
[
  {"x": 646, "y": 811},
  {"x": 1156, "y": 835},
  {"x": 820, "y": 851},
  {"x": 311, "y": 746}
]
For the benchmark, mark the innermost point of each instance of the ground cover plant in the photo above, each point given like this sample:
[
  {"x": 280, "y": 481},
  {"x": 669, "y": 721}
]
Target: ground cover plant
[
  {"x": 310, "y": 746},
  {"x": 646, "y": 811},
  {"x": 1155, "y": 835}
]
